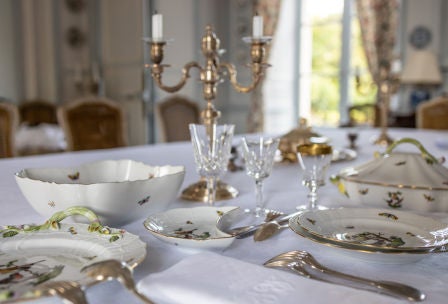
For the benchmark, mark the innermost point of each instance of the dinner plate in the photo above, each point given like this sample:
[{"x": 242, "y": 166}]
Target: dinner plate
[
  {"x": 374, "y": 231},
  {"x": 30, "y": 258},
  {"x": 190, "y": 227}
]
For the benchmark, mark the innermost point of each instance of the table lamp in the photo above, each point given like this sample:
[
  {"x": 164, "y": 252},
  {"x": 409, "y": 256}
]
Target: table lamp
[{"x": 422, "y": 71}]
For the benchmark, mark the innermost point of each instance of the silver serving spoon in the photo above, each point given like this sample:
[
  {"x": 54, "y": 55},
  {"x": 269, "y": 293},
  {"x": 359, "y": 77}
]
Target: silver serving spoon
[
  {"x": 114, "y": 270},
  {"x": 69, "y": 292}
]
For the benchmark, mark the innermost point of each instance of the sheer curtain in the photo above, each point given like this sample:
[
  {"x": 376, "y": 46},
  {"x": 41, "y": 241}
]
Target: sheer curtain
[
  {"x": 270, "y": 10},
  {"x": 378, "y": 22}
]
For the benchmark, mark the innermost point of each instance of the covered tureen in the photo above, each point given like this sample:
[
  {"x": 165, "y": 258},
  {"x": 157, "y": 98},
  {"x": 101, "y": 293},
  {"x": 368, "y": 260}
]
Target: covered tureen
[
  {"x": 414, "y": 181},
  {"x": 298, "y": 136}
]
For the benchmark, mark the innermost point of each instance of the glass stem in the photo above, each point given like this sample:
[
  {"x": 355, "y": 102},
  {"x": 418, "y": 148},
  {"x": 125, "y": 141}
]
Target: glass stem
[
  {"x": 312, "y": 198},
  {"x": 259, "y": 208},
  {"x": 211, "y": 189}
]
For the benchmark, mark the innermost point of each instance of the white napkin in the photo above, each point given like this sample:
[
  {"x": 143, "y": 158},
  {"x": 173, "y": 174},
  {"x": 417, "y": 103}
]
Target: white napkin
[
  {"x": 211, "y": 278},
  {"x": 46, "y": 136}
]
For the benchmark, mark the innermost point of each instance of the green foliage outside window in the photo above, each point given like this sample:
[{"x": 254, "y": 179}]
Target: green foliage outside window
[{"x": 326, "y": 55}]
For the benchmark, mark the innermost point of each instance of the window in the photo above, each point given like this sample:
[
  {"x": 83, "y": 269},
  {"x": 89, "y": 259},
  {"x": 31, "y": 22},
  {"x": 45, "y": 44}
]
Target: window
[{"x": 317, "y": 57}]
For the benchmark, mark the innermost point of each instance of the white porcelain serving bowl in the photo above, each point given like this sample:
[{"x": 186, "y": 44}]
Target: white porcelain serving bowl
[{"x": 118, "y": 191}]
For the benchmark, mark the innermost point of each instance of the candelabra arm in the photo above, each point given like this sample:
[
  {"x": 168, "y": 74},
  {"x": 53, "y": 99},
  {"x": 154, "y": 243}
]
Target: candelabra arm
[
  {"x": 157, "y": 70},
  {"x": 257, "y": 76}
]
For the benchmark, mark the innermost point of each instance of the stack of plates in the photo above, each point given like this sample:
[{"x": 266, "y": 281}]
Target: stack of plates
[{"x": 381, "y": 234}]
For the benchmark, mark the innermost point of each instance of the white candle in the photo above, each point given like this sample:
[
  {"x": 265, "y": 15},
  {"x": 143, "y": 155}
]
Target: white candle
[
  {"x": 157, "y": 27},
  {"x": 257, "y": 27},
  {"x": 396, "y": 66}
]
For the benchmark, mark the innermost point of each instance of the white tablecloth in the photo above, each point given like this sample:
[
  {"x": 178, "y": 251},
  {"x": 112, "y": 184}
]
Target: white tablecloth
[{"x": 282, "y": 191}]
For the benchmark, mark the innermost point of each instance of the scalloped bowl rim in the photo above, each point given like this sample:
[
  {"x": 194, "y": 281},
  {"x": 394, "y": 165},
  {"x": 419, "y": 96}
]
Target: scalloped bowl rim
[
  {"x": 114, "y": 199},
  {"x": 176, "y": 170}
]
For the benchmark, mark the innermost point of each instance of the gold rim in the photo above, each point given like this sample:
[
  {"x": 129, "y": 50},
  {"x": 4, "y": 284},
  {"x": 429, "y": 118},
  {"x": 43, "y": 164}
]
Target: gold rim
[
  {"x": 399, "y": 186},
  {"x": 314, "y": 149}
]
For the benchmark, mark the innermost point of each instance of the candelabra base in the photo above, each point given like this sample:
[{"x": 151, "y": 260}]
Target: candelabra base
[
  {"x": 383, "y": 140},
  {"x": 197, "y": 192}
]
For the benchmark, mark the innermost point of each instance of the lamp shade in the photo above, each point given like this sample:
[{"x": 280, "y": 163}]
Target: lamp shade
[{"x": 421, "y": 68}]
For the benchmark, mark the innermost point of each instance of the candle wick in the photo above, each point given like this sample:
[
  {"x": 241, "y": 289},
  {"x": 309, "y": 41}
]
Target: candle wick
[{"x": 155, "y": 12}]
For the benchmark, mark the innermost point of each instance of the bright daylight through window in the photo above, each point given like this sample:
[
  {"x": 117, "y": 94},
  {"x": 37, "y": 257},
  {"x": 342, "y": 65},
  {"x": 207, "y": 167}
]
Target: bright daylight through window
[{"x": 319, "y": 66}]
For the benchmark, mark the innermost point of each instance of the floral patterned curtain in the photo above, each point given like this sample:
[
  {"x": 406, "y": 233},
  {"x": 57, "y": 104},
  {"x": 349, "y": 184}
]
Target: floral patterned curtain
[
  {"x": 270, "y": 10},
  {"x": 378, "y": 22}
]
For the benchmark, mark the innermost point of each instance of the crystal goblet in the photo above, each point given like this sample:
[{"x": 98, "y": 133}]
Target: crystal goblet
[
  {"x": 352, "y": 136},
  {"x": 211, "y": 146},
  {"x": 314, "y": 160},
  {"x": 259, "y": 157}
]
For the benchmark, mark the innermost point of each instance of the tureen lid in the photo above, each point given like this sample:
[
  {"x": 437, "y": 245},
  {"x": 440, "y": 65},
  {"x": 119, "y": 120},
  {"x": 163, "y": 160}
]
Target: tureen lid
[
  {"x": 407, "y": 170},
  {"x": 297, "y": 136}
]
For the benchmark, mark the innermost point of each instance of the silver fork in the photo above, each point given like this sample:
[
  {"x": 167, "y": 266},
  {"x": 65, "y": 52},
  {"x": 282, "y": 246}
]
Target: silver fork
[
  {"x": 297, "y": 260},
  {"x": 272, "y": 215},
  {"x": 113, "y": 269},
  {"x": 270, "y": 226},
  {"x": 290, "y": 265},
  {"x": 69, "y": 292},
  {"x": 245, "y": 231}
]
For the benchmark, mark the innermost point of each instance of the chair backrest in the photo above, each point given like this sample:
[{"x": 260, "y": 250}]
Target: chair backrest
[
  {"x": 175, "y": 113},
  {"x": 34, "y": 112},
  {"x": 92, "y": 123},
  {"x": 364, "y": 115},
  {"x": 9, "y": 121},
  {"x": 433, "y": 114}
]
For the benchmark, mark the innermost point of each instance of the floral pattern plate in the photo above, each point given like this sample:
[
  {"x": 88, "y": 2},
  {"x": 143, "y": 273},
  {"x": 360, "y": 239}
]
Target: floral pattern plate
[
  {"x": 30, "y": 258},
  {"x": 373, "y": 230},
  {"x": 190, "y": 227}
]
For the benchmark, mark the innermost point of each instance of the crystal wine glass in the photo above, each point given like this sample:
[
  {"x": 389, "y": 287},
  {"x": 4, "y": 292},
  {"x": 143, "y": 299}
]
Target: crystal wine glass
[
  {"x": 211, "y": 146},
  {"x": 259, "y": 157},
  {"x": 314, "y": 160}
]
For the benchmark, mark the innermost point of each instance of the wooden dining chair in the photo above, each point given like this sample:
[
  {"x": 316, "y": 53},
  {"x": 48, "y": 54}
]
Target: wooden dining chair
[
  {"x": 35, "y": 112},
  {"x": 175, "y": 113},
  {"x": 433, "y": 114},
  {"x": 93, "y": 123},
  {"x": 9, "y": 121}
]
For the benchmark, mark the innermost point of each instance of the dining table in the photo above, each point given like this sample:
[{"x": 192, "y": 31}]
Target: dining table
[{"x": 283, "y": 191}]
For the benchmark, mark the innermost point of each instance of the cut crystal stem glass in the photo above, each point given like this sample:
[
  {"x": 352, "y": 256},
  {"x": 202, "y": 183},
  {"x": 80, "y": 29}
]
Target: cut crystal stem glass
[
  {"x": 314, "y": 160},
  {"x": 211, "y": 147},
  {"x": 259, "y": 158}
]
